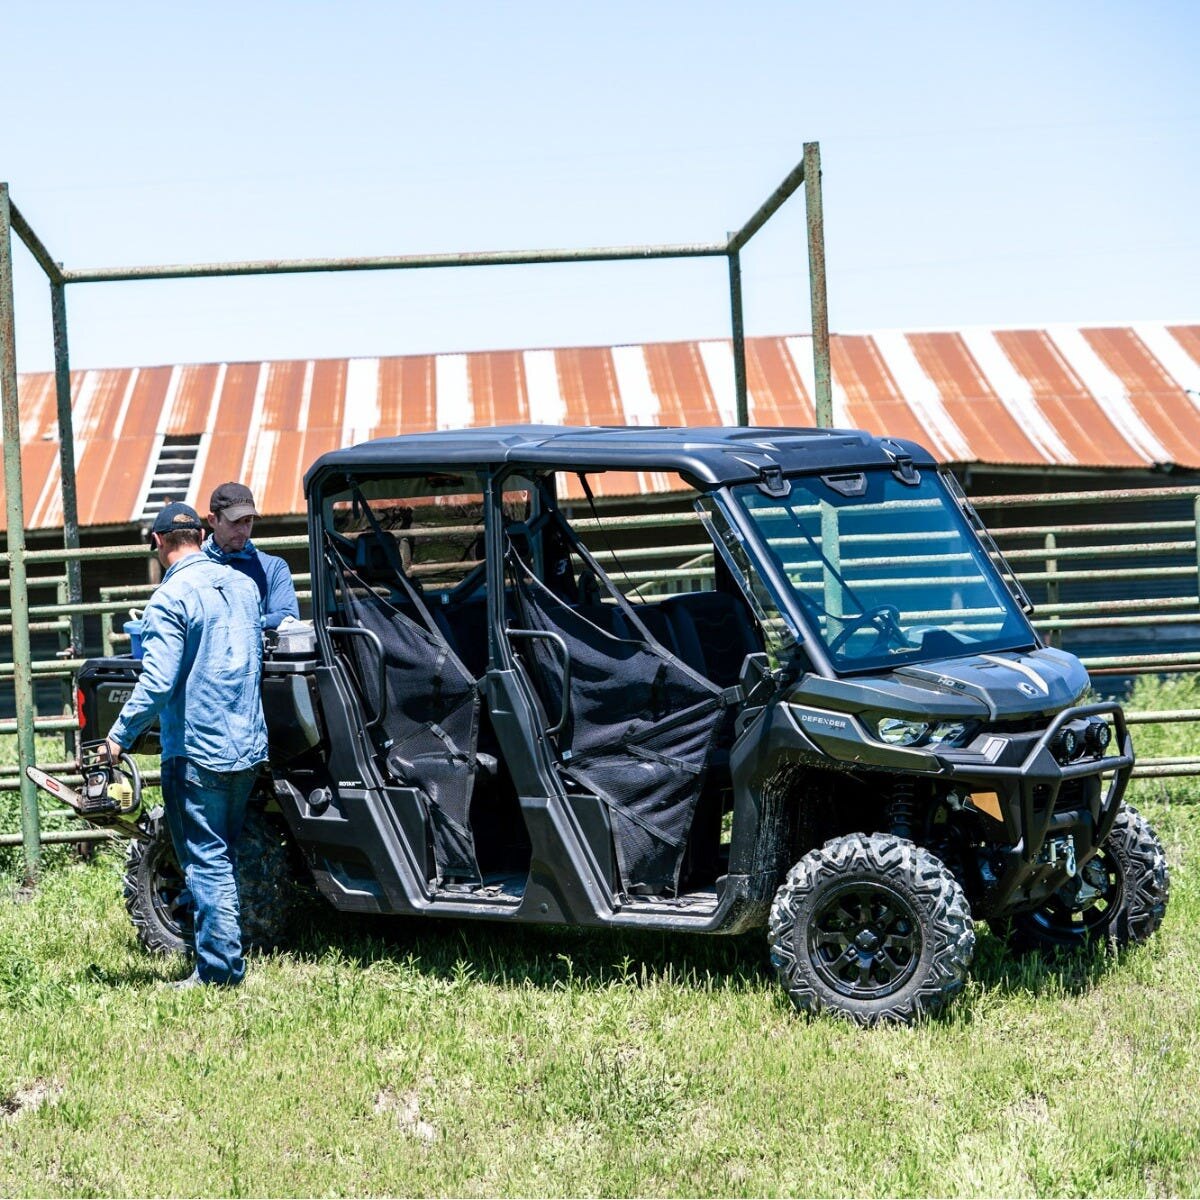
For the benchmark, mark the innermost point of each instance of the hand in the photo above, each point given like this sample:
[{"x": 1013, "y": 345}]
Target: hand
[{"x": 114, "y": 750}]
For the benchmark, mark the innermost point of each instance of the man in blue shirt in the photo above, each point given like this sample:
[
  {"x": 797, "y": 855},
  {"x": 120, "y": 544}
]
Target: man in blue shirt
[
  {"x": 231, "y": 514},
  {"x": 201, "y": 675}
]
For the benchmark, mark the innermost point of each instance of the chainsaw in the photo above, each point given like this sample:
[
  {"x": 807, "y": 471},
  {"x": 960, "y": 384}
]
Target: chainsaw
[{"x": 110, "y": 796}]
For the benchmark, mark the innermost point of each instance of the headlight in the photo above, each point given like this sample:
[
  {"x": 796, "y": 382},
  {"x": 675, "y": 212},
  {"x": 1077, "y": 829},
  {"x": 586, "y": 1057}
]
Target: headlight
[
  {"x": 902, "y": 733},
  {"x": 1068, "y": 745},
  {"x": 898, "y": 732},
  {"x": 948, "y": 733}
]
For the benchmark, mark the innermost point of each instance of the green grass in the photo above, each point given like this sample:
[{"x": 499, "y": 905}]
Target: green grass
[
  {"x": 426, "y": 1058},
  {"x": 1172, "y": 740}
]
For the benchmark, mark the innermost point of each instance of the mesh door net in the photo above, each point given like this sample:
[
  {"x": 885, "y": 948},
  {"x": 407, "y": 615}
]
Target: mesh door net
[
  {"x": 640, "y": 723},
  {"x": 430, "y": 721}
]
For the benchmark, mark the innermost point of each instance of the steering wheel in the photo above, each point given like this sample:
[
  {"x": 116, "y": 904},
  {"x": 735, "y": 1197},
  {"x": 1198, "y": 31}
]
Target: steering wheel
[{"x": 885, "y": 618}]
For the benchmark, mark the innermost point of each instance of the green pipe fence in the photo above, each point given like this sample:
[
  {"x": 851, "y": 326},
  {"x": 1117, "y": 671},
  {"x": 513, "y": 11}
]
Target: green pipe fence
[{"x": 693, "y": 568}]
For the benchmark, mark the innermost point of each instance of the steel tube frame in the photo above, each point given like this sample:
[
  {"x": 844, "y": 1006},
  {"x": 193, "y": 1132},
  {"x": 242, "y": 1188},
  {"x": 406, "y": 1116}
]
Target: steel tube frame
[
  {"x": 66, "y": 453},
  {"x": 814, "y": 211},
  {"x": 1166, "y": 767},
  {"x": 15, "y": 512},
  {"x": 12, "y": 221}
]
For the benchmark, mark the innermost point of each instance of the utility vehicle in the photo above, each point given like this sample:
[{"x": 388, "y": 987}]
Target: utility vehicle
[{"x": 843, "y": 730}]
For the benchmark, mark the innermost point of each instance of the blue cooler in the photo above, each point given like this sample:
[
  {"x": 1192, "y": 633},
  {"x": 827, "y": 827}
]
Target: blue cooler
[{"x": 133, "y": 628}]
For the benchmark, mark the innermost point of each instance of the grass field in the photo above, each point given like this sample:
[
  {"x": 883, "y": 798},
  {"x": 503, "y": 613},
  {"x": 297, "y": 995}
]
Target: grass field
[{"x": 421, "y": 1058}]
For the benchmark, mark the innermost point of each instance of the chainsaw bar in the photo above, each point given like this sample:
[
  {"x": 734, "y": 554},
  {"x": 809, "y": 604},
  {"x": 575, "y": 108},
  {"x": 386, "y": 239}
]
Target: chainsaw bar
[{"x": 56, "y": 787}]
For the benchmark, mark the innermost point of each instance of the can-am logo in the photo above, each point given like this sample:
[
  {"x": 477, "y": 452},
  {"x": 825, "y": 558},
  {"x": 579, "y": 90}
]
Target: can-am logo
[{"x": 1027, "y": 689}]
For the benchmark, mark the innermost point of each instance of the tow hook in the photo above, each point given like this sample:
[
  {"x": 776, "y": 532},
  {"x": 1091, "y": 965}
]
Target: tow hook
[{"x": 1061, "y": 850}]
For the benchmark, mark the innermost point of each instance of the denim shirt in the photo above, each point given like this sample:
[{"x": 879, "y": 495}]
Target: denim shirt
[
  {"x": 201, "y": 669},
  {"x": 279, "y": 599}
]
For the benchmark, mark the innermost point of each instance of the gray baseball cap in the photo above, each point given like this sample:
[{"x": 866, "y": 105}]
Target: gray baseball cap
[{"x": 234, "y": 500}]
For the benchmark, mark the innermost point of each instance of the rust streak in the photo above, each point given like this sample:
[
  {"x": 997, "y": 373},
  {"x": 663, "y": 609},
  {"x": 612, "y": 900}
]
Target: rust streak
[
  {"x": 985, "y": 421},
  {"x": 1080, "y": 420},
  {"x": 1157, "y": 398}
]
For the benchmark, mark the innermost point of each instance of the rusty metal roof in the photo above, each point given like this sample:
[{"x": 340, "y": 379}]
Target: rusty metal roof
[{"x": 1126, "y": 396}]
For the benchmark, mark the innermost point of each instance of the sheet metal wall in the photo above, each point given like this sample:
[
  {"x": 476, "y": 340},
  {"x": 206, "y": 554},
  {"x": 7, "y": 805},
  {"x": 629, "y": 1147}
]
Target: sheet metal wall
[{"x": 1066, "y": 396}]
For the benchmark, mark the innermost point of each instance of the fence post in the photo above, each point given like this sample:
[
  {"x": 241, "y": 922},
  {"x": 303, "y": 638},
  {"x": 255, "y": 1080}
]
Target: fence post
[
  {"x": 1052, "y": 596},
  {"x": 66, "y": 455},
  {"x": 739, "y": 337},
  {"x": 15, "y": 511},
  {"x": 106, "y": 629},
  {"x": 814, "y": 211}
]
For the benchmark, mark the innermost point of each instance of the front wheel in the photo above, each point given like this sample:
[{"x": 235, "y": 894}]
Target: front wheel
[
  {"x": 871, "y": 927},
  {"x": 160, "y": 907},
  {"x": 1118, "y": 899}
]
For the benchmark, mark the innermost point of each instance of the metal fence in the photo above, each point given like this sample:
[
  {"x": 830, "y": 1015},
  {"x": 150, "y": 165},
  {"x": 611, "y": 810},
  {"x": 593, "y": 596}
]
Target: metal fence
[
  {"x": 806, "y": 174},
  {"x": 665, "y": 552}
]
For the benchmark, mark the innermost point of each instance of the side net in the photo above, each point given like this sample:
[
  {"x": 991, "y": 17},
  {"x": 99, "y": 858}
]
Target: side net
[
  {"x": 429, "y": 728},
  {"x": 640, "y": 724}
]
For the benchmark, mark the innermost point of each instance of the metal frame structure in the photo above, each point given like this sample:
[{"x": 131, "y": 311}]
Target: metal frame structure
[{"x": 806, "y": 173}]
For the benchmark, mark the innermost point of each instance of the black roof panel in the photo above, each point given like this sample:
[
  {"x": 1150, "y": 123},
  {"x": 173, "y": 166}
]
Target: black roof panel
[{"x": 707, "y": 456}]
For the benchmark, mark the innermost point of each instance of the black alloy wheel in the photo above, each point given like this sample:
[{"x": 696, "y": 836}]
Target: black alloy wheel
[
  {"x": 873, "y": 928},
  {"x": 156, "y": 896},
  {"x": 160, "y": 907},
  {"x": 1118, "y": 899}
]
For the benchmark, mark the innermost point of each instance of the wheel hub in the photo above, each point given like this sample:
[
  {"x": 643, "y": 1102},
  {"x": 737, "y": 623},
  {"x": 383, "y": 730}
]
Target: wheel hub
[{"x": 865, "y": 940}]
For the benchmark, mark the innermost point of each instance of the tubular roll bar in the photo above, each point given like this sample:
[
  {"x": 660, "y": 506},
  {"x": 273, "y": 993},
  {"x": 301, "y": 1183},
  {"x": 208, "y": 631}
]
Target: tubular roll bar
[{"x": 806, "y": 173}]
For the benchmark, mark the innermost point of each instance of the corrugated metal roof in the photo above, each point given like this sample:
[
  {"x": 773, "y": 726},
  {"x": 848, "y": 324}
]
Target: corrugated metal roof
[{"x": 1063, "y": 396}]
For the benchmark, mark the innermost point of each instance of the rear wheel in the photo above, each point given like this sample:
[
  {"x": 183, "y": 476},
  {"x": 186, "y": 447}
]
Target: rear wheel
[
  {"x": 1119, "y": 897},
  {"x": 871, "y": 927},
  {"x": 158, "y": 902}
]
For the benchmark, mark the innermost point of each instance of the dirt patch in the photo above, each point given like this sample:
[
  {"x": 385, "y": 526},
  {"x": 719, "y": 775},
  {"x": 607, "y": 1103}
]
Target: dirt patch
[
  {"x": 406, "y": 1109},
  {"x": 18, "y": 1103}
]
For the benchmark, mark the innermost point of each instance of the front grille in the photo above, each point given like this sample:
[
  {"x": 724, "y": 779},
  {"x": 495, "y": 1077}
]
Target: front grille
[
  {"x": 1072, "y": 795},
  {"x": 1021, "y": 725}
]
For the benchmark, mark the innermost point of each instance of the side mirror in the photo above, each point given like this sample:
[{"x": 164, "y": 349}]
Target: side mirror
[{"x": 756, "y": 679}]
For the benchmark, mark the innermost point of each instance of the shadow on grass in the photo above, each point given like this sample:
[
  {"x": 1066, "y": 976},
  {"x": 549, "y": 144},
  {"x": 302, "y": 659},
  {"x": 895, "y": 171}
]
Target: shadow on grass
[
  {"x": 544, "y": 956},
  {"x": 553, "y": 957},
  {"x": 1063, "y": 972}
]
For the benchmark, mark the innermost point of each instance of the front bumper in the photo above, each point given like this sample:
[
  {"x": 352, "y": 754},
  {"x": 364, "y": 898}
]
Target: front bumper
[{"x": 1029, "y": 810}]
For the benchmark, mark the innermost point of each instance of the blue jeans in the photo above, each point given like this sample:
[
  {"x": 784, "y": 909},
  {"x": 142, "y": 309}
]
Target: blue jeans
[{"x": 205, "y": 811}]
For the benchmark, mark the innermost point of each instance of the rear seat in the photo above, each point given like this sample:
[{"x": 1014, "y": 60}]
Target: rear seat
[{"x": 710, "y": 631}]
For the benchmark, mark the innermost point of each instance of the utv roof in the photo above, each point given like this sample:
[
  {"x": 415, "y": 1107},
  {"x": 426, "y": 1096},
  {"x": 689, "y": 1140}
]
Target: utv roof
[{"x": 705, "y": 456}]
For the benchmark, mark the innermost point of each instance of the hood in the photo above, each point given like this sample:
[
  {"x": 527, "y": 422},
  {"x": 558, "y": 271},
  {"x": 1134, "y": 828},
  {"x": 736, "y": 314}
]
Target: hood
[
  {"x": 1006, "y": 685},
  {"x": 1011, "y": 683}
]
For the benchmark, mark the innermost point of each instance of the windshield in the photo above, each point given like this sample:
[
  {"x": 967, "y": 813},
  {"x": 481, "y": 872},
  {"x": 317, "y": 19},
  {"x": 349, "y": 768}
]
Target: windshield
[{"x": 886, "y": 572}]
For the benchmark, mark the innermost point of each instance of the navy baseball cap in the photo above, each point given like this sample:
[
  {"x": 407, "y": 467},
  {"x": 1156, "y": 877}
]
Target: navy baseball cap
[{"x": 174, "y": 517}]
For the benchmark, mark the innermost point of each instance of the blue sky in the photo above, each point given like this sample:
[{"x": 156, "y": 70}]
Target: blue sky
[{"x": 984, "y": 164}]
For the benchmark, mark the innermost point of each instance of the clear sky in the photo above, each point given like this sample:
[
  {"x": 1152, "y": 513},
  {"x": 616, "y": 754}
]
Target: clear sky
[{"x": 984, "y": 164}]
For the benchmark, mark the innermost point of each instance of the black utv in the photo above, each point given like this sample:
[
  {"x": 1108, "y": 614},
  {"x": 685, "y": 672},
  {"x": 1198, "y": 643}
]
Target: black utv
[{"x": 830, "y": 717}]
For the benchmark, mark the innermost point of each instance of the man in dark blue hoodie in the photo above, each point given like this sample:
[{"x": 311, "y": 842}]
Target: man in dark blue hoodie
[{"x": 231, "y": 514}]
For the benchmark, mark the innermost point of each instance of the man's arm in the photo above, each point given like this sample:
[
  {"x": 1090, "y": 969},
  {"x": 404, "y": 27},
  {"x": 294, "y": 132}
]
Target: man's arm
[
  {"x": 281, "y": 592},
  {"x": 164, "y": 637}
]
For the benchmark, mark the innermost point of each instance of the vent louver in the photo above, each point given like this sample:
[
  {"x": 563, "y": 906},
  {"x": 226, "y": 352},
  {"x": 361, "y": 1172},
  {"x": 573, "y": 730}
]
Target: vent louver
[{"x": 173, "y": 472}]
